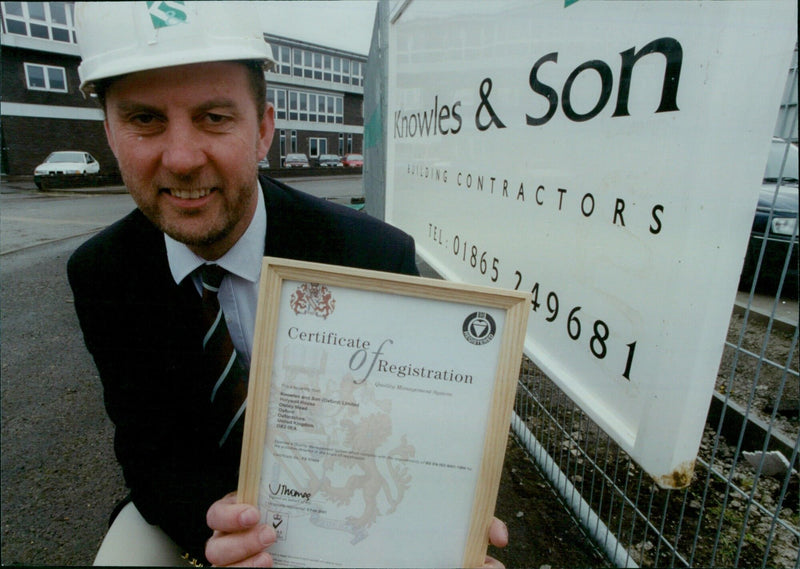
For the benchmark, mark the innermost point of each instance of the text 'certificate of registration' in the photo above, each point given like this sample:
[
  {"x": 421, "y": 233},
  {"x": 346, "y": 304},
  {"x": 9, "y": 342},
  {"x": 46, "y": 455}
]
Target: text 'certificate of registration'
[{"x": 375, "y": 410}]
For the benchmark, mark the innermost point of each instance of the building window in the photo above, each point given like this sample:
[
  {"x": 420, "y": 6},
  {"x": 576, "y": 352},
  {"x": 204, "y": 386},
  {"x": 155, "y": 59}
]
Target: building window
[
  {"x": 349, "y": 143},
  {"x": 346, "y": 71},
  {"x": 339, "y": 113},
  {"x": 356, "y": 73},
  {"x": 312, "y": 107},
  {"x": 331, "y": 109},
  {"x": 282, "y": 148},
  {"x": 317, "y": 146},
  {"x": 337, "y": 69},
  {"x": 283, "y": 59},
  {"x": 278, "y": 99},
  {"x": 305, "y": 106},
  {"x": 297, "y": 62},
  {"x": 294, "y": 141},
  {"x": 293, "y": 104},
  {"x": 321, "y": 108},
  {"x": 317, "y": 66},
  {"x": 303, "y": 63},
  {"x": 44, "y": 20},
  {"x": 326, "y": 67},
  {"x": 341, "y": 144},
  {"x": 45, "y": 78}
]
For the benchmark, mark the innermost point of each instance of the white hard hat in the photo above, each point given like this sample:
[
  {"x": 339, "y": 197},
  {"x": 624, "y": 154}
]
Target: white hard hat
[{"x": 116, "y": 38}]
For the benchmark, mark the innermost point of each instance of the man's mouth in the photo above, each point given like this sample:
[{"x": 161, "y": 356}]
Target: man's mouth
[{"x": 188, "y": 194}]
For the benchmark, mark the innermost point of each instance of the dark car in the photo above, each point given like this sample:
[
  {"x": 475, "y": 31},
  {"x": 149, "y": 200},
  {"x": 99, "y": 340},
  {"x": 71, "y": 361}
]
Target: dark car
[
  {"x": 296, "y": 161},
  {"x": 329, "y": 161},
  {"x": 353, "y": 160},
  {"x": 776, "y": 222}
]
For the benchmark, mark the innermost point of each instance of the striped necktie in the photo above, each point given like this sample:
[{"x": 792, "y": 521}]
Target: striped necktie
[{"x": 229, "y": 392}]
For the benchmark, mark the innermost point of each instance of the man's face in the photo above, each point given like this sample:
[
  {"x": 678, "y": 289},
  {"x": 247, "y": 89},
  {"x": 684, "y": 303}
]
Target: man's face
[{"x": 188, "y": 140}]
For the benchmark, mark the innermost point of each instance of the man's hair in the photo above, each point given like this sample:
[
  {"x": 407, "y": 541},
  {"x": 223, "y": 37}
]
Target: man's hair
[{"x": 255, "y": 78}]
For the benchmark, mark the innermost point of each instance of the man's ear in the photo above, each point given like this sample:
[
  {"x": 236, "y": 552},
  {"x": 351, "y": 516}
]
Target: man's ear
[
  {"x": 266, "y": 130},
  {"x": 110, "y": 137}
]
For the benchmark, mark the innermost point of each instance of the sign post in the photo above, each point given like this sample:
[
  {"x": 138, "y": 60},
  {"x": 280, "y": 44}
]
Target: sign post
[{"x": 605, "y": 157}]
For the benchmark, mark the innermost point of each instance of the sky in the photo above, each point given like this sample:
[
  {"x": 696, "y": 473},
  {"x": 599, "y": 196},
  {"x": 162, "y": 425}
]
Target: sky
[{"x": 343, "y": 24}]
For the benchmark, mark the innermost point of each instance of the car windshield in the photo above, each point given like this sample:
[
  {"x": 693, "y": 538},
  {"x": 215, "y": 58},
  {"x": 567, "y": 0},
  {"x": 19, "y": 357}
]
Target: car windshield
[
  {"x": 355, "y": 157},
  {"x": 65, "y": 157}
]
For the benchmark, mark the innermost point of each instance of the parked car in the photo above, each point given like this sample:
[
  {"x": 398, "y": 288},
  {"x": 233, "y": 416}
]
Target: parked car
[
  {"x": 263, "y": 164},
  {"x": 65, "y": 163},
  {"x": 778, "y": 232},
  {"x": 330, "y": 161},
  {"x": 353, "y": 160},
  {"x": 296, "y": 161}
]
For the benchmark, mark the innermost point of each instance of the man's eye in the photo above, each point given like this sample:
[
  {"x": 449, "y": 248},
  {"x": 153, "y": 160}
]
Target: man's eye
[
  {"x": 143, "y": 119},
  {"x": 214, "y": 118}
]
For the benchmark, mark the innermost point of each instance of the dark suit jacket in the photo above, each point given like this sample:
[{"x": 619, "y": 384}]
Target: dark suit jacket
[{"x": 144, "y": 332}]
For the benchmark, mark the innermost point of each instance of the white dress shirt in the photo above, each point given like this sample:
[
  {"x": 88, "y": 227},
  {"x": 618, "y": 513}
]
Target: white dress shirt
[{"x": 238, "y": 293}]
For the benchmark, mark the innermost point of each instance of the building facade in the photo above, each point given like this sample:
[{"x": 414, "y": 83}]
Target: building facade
[
  {"x": 317, "y": 92},
  {"x": 318, "y": 95}
]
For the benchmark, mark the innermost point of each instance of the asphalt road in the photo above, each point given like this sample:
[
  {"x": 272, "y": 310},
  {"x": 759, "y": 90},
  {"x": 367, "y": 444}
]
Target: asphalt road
[
  {"x": 59, "y": 476},
  {"x": 60, "y": 479}
]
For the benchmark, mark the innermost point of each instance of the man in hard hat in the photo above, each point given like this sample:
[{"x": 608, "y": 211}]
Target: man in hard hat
[{"x": 183, "y": 91}]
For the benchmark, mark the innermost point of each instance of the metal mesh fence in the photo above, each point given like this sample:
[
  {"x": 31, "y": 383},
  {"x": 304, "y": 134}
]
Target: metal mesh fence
[{"x": 742, "y": 508}]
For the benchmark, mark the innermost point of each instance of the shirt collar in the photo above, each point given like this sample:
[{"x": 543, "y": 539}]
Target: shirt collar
[{"x": 243, "y": 259}]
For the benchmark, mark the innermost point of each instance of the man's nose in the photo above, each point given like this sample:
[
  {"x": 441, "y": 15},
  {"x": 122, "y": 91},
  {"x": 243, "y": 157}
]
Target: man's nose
[{"x": 183, "y": 152}]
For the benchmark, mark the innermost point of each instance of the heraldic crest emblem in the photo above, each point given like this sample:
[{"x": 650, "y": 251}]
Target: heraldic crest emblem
[{"x": 313, "y": 298}]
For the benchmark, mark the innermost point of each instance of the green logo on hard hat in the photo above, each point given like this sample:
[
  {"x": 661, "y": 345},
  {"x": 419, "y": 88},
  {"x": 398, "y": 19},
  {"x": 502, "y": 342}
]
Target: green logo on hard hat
[{"x": 165, "y": 14}]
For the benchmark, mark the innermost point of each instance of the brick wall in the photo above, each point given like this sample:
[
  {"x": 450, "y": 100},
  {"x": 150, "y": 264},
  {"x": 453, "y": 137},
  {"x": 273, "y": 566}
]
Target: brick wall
[{"x": 30, "y": 140}]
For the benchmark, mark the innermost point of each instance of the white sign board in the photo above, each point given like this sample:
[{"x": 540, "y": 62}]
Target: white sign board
[{"x": 607, "y": 157}]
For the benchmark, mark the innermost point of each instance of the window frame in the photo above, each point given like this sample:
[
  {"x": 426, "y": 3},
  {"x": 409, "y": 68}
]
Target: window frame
[
  {"x": 277, "y": 97},
  {"x": 46, "y": 73},
  {"x": 47, "y": 23},
  {"x": 327, "y": 67},
  {"x": 346, "y": 65},
  {"x": 317, "y": 146},
  {"x": 317, "y": 59},
  {"x": 337, "y": 69},
  {"x": 356, "y": 70},
  {"x": 308, "y": 106},
  {"x": 294, "y": 105},
  {"x": 283, "y": 59}
]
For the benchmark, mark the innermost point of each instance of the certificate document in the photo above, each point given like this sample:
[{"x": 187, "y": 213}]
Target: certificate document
[{"x": 377, "y": 416}]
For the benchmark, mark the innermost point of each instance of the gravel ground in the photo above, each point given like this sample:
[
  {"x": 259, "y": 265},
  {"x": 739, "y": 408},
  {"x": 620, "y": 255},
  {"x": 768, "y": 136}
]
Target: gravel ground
[{"x": 764, "y": 384}]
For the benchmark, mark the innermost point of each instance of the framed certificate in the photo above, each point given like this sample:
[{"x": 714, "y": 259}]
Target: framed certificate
[{"x": 377, "y": 416}]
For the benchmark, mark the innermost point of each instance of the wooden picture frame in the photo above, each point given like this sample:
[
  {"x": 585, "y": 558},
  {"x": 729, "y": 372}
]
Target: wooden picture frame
[{"x": 378, "y": 414}]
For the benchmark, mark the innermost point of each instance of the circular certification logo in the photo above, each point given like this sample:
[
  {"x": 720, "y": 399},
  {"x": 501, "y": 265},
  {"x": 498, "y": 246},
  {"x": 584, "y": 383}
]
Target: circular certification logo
[{"x": 479, "y": 328}]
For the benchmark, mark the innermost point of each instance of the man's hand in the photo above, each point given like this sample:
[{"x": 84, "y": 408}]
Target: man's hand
[
  {"x": 238, "y": 540},
  {"x": 498, "y": 536}
]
